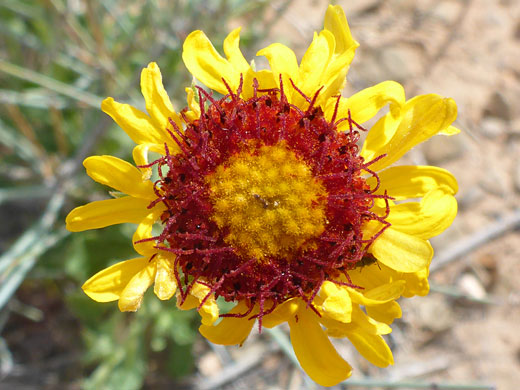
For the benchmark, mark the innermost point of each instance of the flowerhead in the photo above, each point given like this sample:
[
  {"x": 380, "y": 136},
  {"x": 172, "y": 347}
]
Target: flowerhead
[{"x": 263, "y": 198}]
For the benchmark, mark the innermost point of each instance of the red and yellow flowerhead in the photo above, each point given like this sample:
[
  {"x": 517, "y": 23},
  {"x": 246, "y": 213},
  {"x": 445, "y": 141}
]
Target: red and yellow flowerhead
[{"x": 262, "y": 197}]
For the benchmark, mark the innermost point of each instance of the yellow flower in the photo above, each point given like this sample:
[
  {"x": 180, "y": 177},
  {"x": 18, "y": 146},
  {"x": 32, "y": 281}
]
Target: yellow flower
[{"x": 264, "y": 198}]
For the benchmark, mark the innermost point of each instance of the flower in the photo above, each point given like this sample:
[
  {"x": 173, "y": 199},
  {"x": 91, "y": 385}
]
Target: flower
[{"x": 264, "y": 199}]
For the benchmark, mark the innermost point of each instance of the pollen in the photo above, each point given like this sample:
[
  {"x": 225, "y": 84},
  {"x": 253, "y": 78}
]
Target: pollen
[{"x": 268, "y": 217}]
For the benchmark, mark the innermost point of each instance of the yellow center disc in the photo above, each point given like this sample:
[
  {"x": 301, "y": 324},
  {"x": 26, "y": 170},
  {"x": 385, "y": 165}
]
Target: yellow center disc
[{"x": 269, "y": 201}]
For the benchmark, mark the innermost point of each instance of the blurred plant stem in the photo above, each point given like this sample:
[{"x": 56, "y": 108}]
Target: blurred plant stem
[
  {"x": 20, "y": 258},
  {"x": 50, "y": 83}
]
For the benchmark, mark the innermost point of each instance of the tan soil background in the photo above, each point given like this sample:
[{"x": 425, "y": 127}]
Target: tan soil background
[{"x": 470, "y": 51}]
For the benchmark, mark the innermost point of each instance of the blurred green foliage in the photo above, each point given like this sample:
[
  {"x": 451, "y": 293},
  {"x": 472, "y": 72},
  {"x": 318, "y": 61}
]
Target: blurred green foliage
[{"x": 58, "y": 60}]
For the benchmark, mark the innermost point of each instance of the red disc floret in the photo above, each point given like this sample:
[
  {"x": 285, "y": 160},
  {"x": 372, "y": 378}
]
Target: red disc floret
[{"x": 226, "y": 127}]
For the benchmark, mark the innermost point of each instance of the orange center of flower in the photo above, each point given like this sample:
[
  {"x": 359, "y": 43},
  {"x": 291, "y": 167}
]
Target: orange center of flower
[
  {"x": 269, "y": 201},
  {"x": 264, "y": 201}
]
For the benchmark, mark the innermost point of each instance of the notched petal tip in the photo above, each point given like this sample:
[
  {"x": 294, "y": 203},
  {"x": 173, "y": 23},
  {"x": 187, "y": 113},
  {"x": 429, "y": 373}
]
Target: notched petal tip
[
  {"x": 106, "y": 104},
  {"x": 422, "y": 117},
  {"x": 152, "y": 66},
  {"x": 232, "y": 51},
  {"x": 366, "y": 103},
  {"x": 336, "y": 22},
  {"x": 207, "y": 65},
  {"x": 427, "y": 218},
  {"x": 132, "y": 294},
  {"x": 158, "y": 103},
  {"x": 282, "y": 61}
]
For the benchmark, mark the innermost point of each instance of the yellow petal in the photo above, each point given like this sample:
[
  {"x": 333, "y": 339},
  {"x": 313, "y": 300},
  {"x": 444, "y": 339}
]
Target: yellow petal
[
  {"x": 281, "y": 314},
  {"x": 409, "y": 181},
  {"x": 336, "y": 22},
  {"x": 370, "y": 276},
  {"x": 336, "y": 304},
  {"x": 108, "y": 212},
  {"x": 427, "y": 218},
  {"x": 108, "y": 284},
  {"x": 189, "y": 303},
  {"x": 372, "y": 347},
  {"x": 378, "y": 295},
  {"x": 157, "y": 101},
  {"x": 266, "y": 80},
  {"x": 360, "y": 323},
  {"x": 140, "y": 155},
  {"x": 236, "y": 58},
  {"x": 314, "y": 64},
  {"x": 402, "y": 252},
  {"x": 231, "y": 330},
  {"x": 316, "y": 354},
  {"x": 209, "y": 311},
  {"x": 450, "y": 130},
  {"x": 334, "y": 79},
  {"x": 120, "y": 175},
  {"x": 365, "y": 104},
  {"x": 282, "y": 60},
  {"x": 132, "y": 295},
  {"x": 343, "y": 48},
  {"x": 135, "y": 123},
  {"x": 416, "y": 283},
  {"x": 379, "y": 136},
  {"x": 209, "y": 67},
  {"x": 422, "y": 117},
  {"x": 375, "y": 275},
  {"x": 165, "y": 283},
  {"x": 193, "y": 105},
  {"x": 232, "y": 51},
  {"x": 386, "y": 312},
  {"x": 144, "y": 230}
]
